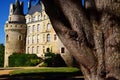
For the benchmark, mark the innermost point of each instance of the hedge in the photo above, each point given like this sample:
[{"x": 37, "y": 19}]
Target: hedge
[
  {"x": 22, "y": 60},
  {"x": 54, "y": 60}
]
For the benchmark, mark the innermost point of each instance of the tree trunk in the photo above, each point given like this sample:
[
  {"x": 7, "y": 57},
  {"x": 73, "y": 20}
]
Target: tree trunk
[{"x": 91, "y": 33}]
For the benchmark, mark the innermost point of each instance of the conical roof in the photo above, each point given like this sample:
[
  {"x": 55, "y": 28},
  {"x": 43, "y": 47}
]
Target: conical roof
[{"x": 18, "y": 8}]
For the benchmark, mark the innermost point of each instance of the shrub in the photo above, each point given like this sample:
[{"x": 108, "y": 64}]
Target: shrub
[
  {"x": 54, "y": 60},
  {"x": 17, "y": 60},
  {"x": 1, "y": 55}
]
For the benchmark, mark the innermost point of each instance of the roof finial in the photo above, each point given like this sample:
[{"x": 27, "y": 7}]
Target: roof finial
[{"x": 29, "y": 4}]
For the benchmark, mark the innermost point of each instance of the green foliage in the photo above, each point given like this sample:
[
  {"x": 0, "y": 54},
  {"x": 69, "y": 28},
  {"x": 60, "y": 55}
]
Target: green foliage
[
  {"x": 54, "y": 60},
  {"x": 17, "y": 60},
  {"x": 1, "y": 55}
]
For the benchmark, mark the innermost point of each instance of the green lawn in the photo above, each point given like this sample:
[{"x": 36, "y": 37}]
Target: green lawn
[{"x": 45, "y": 70}]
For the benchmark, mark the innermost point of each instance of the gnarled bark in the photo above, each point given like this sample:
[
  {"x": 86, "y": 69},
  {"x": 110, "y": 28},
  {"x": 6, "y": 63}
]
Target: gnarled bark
[{"x": 91, "y": 33}]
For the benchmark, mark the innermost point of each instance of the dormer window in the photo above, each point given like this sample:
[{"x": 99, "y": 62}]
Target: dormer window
[
  {"x": 48, "y": 26},
  {"x": 48, "y": 37}
]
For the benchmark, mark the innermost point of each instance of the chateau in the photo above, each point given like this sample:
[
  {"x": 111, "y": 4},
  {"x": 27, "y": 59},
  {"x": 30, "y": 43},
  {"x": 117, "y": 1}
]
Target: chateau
[{"x": 32, "y": 33}]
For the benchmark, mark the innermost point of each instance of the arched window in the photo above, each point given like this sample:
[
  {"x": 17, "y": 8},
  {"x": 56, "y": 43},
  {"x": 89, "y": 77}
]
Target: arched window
[
  {"x": 48, "y": 37},
  {"x": 62, "y": 50},
  {"x": 48, "y": 50},
  {"x": 7, "y": 38},
  {"x": 48, "y": 26},
  {"x": 19, "y": 37}
]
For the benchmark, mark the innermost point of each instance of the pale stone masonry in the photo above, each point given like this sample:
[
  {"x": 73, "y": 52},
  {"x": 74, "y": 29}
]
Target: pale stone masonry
[{"x": 33, "y": 36}]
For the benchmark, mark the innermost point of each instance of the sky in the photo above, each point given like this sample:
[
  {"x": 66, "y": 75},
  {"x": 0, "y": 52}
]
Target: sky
[{"x": 4, "y": 12}]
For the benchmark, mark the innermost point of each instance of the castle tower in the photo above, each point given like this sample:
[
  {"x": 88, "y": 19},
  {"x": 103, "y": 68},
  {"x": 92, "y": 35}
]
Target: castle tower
[{"x": 15, "y": 29}]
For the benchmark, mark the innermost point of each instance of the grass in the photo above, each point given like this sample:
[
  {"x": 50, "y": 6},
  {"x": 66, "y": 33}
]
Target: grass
[{"x": 45, "y": 70}]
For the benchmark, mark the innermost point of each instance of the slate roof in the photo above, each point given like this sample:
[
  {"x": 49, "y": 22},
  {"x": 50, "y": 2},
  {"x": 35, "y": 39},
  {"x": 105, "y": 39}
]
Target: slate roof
[
  {"x": 18, "y": 9},
  {"x": 35, "y": 8}
]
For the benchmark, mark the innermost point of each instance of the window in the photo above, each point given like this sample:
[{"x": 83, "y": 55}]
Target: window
[
  {"x": 62, "y": 50},
  {"x": 33, "y": 19},
  {"x": 38, "y": 38},
  {"x": 28, "y": 39},
  {"x": 29, "y": 19},
  {"x": 48, "y": 37},
  {"x": 28, "y": 29},
  {"x": 33, "y": 28},
  {"x": 28, "y": 50},
  {"x": 48, "y": 50},
  {"x": 19, "y": 37},
  {"x": 37, "y": 49},
  {"x": 32, "y": 50},
  {"x": 38, "y": 27},
  {"x": 39, "y": 18},
  {"x": 55, "y": 37},
  {"x": 7, "y": 38},
  {"x": 48, "y": 26},
  {"x": 33, "y": 39},
  {"x": 43, "y": 49}
]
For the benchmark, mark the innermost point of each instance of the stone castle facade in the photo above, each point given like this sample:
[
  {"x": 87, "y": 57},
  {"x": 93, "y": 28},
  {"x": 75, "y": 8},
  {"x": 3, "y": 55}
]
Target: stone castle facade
[{"x": 32, "y": 33}]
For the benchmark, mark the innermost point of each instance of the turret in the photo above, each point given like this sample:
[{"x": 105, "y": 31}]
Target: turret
[{"x": 15, "y": 30}]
